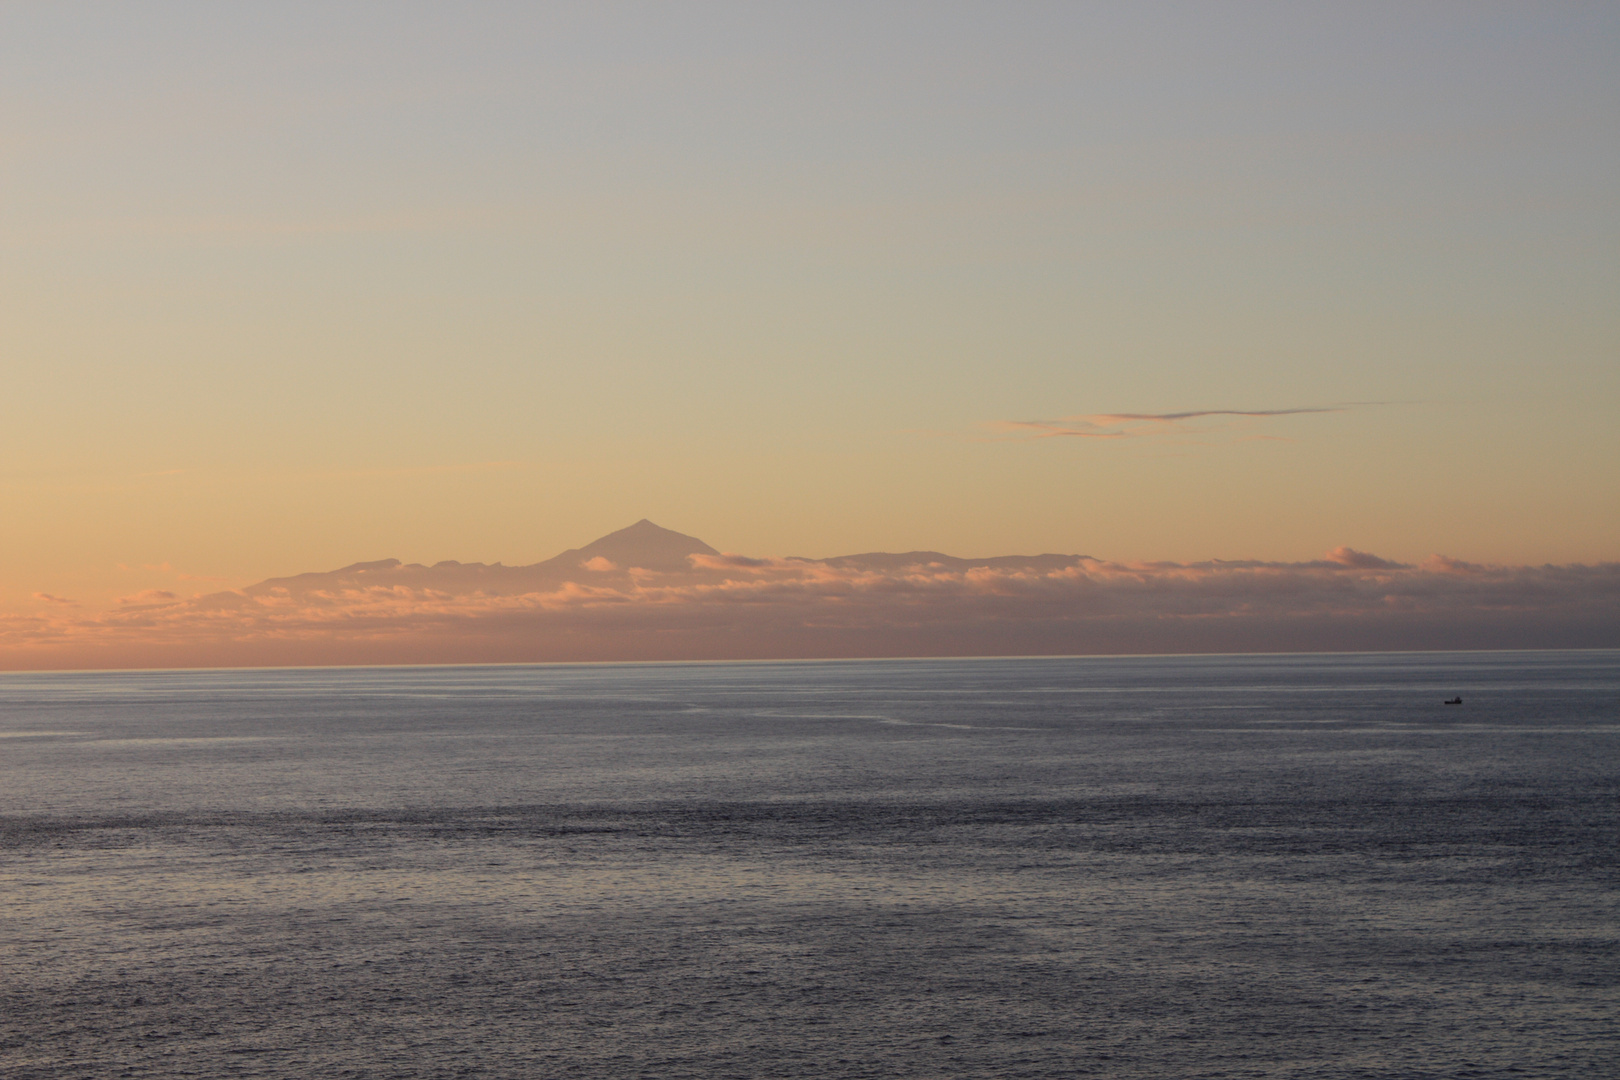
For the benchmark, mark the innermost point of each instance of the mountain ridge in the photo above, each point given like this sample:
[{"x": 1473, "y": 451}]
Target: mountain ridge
[
  {"x": 595, "y": 603},
  {"x": 610, "y": 559}
]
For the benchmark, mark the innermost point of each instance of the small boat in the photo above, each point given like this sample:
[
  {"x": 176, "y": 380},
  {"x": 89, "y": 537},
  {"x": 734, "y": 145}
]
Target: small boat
[{"x": 1454, "y": 701}]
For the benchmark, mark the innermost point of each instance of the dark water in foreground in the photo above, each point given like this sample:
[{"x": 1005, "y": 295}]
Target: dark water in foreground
[{"x": 1166, "y": 867}]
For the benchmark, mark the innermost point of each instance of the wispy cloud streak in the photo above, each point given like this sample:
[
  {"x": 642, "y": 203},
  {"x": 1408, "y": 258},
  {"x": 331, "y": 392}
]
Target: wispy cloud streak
[{"x": 1137, "y": 425}]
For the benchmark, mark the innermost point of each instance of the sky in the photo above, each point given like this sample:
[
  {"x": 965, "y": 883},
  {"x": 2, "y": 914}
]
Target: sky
[{"x": 286, "y": 287}]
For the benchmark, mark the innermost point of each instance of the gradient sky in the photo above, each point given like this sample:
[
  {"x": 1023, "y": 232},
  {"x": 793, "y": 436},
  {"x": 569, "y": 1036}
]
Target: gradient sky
[{"x": 283, "y": 287}]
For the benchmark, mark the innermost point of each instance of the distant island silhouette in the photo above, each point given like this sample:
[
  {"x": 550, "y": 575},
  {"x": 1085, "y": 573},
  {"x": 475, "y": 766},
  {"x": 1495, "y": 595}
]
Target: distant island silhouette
[
  {"x": 612, "y": 559},
  {"x": 646, "y": 592}
]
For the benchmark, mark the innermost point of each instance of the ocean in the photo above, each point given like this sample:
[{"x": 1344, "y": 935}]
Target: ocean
[{"x": 1255, "y": 866}]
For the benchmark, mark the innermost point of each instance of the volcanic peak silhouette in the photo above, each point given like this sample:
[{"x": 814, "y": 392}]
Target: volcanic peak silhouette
[{"x": 643, "y": 544}]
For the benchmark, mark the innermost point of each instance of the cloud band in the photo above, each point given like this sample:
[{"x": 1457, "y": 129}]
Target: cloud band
[{"x": 729, "y": 607}]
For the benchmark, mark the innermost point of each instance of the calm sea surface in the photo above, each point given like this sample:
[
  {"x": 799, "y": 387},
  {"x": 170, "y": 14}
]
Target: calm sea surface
[{"x": 1157, "y": 867}]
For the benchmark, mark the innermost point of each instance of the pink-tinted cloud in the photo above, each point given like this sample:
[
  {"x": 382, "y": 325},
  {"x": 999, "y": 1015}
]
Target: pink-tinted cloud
[
  {"x": 922, "y": 603},
  {"x": 1360, "y": 560},
  {"x": 1076, "y": 427},
  {"x": 47, "y": 598}
]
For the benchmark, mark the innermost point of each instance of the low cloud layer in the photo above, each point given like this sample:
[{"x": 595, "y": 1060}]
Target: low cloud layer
[{"x": 696, "y": 603}]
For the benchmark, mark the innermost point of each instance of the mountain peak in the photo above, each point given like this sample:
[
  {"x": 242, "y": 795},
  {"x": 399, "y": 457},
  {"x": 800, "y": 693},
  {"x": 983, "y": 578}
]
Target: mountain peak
[{"x": 643, "y": 544}]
